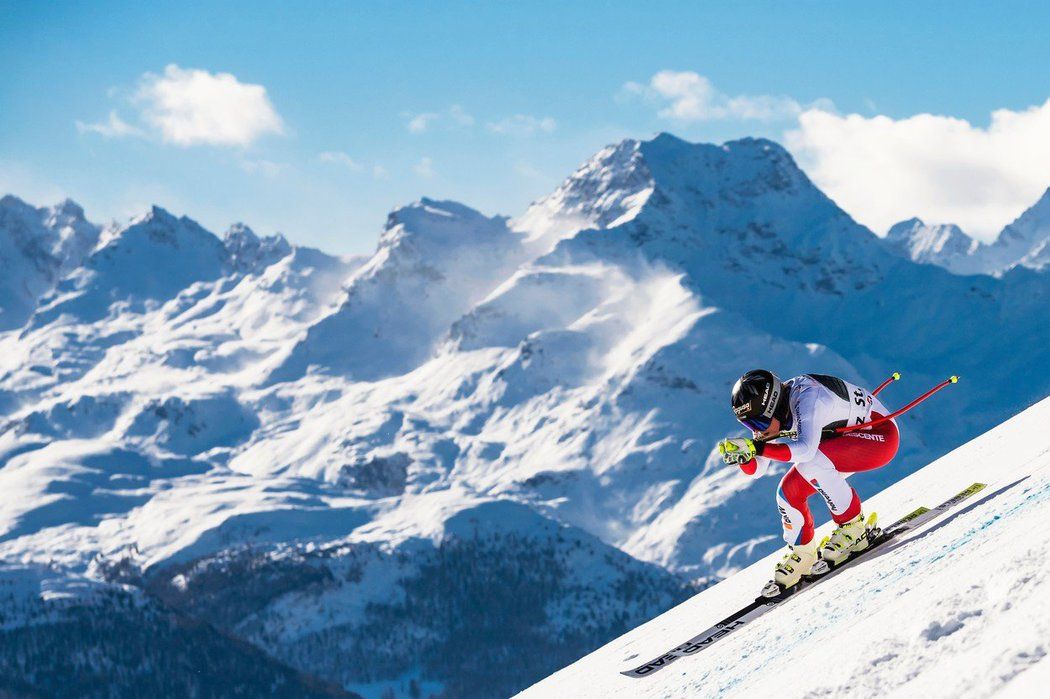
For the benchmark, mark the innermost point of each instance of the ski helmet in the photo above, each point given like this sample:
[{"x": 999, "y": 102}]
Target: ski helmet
[{"x": 758, "y": 397}]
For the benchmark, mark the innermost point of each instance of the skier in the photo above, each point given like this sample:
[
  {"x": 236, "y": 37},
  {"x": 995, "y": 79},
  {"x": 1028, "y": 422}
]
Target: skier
[{"x": 810, "y": 406}]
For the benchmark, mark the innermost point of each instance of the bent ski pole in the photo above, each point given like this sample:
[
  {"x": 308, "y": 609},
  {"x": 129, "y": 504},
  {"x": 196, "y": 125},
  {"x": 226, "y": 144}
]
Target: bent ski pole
[
  {"x": 896, "y": 376},
  {"x": 909, "y": 406}
]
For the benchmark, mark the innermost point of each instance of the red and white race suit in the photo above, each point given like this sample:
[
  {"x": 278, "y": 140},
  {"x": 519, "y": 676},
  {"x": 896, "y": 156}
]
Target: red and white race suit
[{"x": 824, "y": 459}]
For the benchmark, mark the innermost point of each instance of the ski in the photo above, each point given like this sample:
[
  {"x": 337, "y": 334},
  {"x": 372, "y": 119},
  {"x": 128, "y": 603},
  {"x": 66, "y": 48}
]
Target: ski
[{"x": 734, "y": 622}]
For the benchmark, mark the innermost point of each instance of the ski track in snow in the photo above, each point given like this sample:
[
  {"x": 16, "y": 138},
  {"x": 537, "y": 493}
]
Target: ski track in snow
[{"x": 957, "y": 609}]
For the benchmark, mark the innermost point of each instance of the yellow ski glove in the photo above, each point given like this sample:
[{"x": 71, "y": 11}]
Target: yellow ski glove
[{"x": 737, "y": 451}]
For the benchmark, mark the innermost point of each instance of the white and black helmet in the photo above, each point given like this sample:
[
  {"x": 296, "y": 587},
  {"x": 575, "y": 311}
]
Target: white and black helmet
[{"x": 758, "y": 397}]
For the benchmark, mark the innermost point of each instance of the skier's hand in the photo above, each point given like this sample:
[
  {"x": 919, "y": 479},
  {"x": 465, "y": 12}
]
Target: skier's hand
[{"x": 736, "y": 451}]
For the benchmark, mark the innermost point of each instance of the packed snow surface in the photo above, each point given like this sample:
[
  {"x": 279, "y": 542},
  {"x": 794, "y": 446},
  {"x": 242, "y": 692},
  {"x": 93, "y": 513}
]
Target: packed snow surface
[{"x": 957, "y": 608}]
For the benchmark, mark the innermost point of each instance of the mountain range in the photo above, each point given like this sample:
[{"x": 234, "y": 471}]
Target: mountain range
[
  {"x": 1022, "y": 243},
  {"x": 455, "y": 465}
]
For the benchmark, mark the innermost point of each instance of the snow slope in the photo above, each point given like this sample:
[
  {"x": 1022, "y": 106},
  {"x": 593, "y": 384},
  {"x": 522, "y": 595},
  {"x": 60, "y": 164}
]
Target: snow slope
[
  {"x": 304, "y": 449},
  {"x": 38, "y": 246},
  {"x": 1024, "y": 241},
  {"x": 958, "y": 608}
]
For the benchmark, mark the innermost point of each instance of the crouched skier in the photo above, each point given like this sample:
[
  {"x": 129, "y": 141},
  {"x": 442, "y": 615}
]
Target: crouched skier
[{"x": 813, "y": 406}]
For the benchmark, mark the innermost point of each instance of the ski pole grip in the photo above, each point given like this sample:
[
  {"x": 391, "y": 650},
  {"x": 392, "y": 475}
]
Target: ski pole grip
[{"x": 782, "y": 434}]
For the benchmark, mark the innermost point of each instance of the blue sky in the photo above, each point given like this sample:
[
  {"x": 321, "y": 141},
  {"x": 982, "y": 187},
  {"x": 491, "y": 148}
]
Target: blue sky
[{"x": 361, "y": 107}]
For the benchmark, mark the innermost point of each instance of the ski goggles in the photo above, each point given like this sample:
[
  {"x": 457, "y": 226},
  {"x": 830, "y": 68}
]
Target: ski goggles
[{"x": 756, "y": 423}]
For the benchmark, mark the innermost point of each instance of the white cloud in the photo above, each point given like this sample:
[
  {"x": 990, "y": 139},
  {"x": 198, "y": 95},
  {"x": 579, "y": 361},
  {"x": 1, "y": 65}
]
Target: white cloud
[
  {"x": 453, "y": 117},
  {"x": 424, "y": 168},
  {"x": 190, "y": 107},
  {"x": 689, "y": 96},
  {"x": 522, "y": 125},
  {"x": 113, "y": 127},
  {"x": 339, "y": 158},
  {"x": 379, "y": 172},
  {"x": 939, "y": 168},
  {"x": 421, "y": 122}
]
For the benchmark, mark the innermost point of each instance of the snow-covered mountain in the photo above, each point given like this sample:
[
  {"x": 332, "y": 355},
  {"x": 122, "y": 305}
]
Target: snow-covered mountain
[
  {"x": 1023, "y": 243},
  {"x": 917, "y": 618},
  {"x": 492, "y": 439},
  {"x": 37, "y": 248},
  {"x": 944, "y": 245}
]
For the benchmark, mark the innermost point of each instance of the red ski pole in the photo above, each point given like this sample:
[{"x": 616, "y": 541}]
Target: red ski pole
[{"x": 909, "y": 406}]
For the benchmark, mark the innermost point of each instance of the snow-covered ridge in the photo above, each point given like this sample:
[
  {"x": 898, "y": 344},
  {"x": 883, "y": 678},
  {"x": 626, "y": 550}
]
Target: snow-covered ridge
[
  {"x": 607, "y": 190},
  {"x": 945, "y": 245},
  {"x": 38, "y": 246},
  {"x": 1023, "y": 243},
  {"x": 261, "y": 433},
  {"x": 920, "y": 619}
]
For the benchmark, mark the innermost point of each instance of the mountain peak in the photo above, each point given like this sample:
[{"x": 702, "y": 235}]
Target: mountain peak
[
  {"x": 438, "y": 223},
  {"x": 733, "y": 172},
  {"x": 1035, "y": 216},
  {"x": 10, "y": 201},
  {"x": 250, "y": 253},
  {"x": 666, "y": 143},
  {"x": 435, "y": 209},
  {"x": 903, "y": 230},
  {"x": 155, "y": 213},
  {"x": 666, "y": 140},
  {"x": 68, "y": 207},
  {"x": 608, "y": 189},
  {"x": 240, "y": 234},
  {"x": 943, "y": 244},
  {"x": 1025, "y": 239}
]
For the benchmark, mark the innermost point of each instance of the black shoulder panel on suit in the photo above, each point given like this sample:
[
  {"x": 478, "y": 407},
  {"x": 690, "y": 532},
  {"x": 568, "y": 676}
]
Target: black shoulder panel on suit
[{"x": 833, "y": 384}]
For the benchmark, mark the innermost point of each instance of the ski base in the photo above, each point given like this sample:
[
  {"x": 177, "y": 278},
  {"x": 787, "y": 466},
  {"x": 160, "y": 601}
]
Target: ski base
[{"x": 762, "y": 604}]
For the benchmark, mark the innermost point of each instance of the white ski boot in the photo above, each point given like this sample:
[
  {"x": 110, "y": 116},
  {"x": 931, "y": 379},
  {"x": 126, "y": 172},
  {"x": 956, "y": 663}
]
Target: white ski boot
[
  {"x": 795, "y": 563},
  {"x": 850, "y": 538}
]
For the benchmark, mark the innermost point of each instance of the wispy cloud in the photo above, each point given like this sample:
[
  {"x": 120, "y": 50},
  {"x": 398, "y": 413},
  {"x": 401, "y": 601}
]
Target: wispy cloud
[
  {"x": 189, "y": 107},
  {"x": 339, "y": 158},
  {"x": 940, "y": 168},
  {"x": 379, "y": 172},
  {"x": 687, "y": 96},
  {"x": 522, "y": 125},
  {"x": 453, "y": 117},
  {"x": 424, "y": 168},
  {"x": 419, "y": 123},
  {"x": 113, "y": 127}
]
